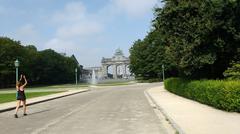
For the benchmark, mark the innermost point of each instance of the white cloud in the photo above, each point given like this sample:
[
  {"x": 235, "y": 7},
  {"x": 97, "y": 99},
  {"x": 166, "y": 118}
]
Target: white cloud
[
  {"x": 86, "y": 55},
  {"x": 73, "y": 23},
  {"x": 27, "y": 34},
  {"x": 82, "y": 29},
  {"x": 82, "y": 33},
  {"x": 27, "y": 30},
  {"x": 74, "y": 11},
  {"x": 132, "y": 8},
  {"x": 75, "y": 30},
  {"x": 60, "y": 45}
]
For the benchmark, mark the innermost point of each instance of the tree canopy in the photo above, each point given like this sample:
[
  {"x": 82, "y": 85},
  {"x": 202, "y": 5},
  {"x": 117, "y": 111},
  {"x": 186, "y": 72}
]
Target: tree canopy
[
  {"x": 193, "y": 39},
  {"x": 40, "y": 67}
]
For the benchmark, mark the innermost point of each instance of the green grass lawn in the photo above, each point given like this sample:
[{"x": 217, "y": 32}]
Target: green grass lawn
[
  {"x": 82, "y": 85},
  {"x": 8, "y": 97},
  {"x": 62, "y": 86},
  {"x": 68, "y": 86}
]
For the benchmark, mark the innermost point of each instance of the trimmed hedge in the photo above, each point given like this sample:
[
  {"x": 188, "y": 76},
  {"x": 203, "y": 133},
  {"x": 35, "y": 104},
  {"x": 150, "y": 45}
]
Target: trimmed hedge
[{"x": 221, "y": 94}]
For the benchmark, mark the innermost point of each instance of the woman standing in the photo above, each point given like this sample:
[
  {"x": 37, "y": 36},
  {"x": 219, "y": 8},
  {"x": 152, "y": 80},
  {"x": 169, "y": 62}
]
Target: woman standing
[{"x": 21, "y": 95}]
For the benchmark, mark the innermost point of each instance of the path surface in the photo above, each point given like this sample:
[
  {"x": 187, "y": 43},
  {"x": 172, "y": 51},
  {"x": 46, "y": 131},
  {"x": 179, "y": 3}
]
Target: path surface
[
  {"x": 195, "y": 118},
  {"x": 113, "y": 110}
]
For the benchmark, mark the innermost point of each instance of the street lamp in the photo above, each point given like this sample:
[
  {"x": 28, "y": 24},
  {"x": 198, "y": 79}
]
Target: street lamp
[
  {"x": 76, "y": 75},
  {"x": 16, "y": 63},
  {"x": 163, "y": 72}
]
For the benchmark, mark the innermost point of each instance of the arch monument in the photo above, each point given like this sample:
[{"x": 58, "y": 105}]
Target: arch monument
[{"x": 117, "y": 62}]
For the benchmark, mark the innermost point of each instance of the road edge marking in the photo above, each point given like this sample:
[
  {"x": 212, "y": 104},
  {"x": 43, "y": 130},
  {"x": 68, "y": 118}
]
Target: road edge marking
[
  {"x": 157, "y": 107},
  {"x": 43, "y": 100}
]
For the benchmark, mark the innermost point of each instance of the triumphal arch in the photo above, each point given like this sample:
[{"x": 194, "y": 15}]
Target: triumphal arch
[{"x": 119, "y": 64}]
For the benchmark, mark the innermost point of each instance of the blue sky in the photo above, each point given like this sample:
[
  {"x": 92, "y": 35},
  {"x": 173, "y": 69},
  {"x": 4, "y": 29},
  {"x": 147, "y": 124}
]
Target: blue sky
[{"x": 89, "y": 29}]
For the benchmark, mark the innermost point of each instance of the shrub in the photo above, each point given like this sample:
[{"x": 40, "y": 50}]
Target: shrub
[
  {"x": 233, "y": 73},
  {"x": 221, "y": 94}
]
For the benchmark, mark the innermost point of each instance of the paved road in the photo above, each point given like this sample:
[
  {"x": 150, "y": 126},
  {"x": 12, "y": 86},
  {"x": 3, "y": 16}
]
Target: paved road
[{"x": 113, "y": 110}]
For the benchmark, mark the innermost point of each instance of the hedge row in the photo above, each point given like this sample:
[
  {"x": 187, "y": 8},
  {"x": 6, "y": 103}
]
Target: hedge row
[{"x": 221, "y": 94}]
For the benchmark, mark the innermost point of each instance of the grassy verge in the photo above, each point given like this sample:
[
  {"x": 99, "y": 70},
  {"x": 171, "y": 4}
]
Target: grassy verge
[
  {"x": 63, "y": 86},
  {"x": 70, "y": 86},
  {"x": 8, "y": 97},
  {"x": 52, "y": 87},
  {"x": 221, "y": 94}
]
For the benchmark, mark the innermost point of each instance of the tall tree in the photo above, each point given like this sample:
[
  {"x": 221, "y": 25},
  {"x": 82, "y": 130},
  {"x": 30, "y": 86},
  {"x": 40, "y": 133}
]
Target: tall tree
[
  {"x": 40, "y": 67},
  {"x": 196, "y": 35},
  {"x": 193, "y": 39}
]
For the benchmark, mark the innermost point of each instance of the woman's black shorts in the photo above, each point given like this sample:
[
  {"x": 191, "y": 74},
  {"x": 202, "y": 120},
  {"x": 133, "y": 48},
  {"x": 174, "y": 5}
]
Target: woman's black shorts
[{"x": 21, "y": 95}]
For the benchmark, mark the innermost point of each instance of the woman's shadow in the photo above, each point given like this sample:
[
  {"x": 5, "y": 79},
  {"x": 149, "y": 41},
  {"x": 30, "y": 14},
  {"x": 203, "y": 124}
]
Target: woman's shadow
[{"x": 38, "y": 112}]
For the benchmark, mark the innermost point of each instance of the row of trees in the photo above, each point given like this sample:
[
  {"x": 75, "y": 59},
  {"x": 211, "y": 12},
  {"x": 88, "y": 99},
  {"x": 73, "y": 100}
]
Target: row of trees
[
  {"x": 193, "y": 39},
  {"x": 40, "y": 67}
]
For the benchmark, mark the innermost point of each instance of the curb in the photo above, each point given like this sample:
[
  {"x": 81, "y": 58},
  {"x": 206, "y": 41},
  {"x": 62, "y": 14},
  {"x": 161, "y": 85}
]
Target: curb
[
  {"x": 43, "y": 100},
  {"x": 173, "y": 123}
]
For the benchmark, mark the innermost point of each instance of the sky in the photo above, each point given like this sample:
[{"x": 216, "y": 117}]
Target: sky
[{"x": 89, "y": 29}]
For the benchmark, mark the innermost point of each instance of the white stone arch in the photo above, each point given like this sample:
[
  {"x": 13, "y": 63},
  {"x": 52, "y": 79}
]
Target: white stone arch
[
  {"x": 109, "y": 71},
  {"x": 117, "y": 62}
]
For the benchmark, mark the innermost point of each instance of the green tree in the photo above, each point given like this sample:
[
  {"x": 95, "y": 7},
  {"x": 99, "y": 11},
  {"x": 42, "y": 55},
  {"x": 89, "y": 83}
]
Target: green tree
[
  {"x": 194, "y": 39},
  {"x": 40, "y": 67},
  {"x": 233, "y": 72},
  {"x": 137, "y": 58},
  {"x": 148, "y": 56},
  {"x": 10, "y": 50},
  {"x": 201, "y": 36},
  {"x": 54, "y": 68}
]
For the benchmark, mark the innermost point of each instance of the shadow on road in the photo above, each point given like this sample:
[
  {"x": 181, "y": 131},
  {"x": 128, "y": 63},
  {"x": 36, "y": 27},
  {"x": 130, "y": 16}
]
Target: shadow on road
[{"x": 42, "y": 111}]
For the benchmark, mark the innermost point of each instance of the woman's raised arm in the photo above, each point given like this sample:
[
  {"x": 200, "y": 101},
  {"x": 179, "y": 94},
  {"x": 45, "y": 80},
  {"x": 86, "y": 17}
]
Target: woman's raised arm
[{"x": 25, "y": 81}]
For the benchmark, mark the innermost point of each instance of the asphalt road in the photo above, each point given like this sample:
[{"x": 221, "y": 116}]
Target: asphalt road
[{"x": 109, "y": 110}]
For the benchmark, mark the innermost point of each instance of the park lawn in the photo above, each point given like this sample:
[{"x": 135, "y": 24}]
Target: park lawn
[
  {"x": 52, "y": 87},
  {"x": 62, "y": 86},
  {"x": 8, "y": 97}
]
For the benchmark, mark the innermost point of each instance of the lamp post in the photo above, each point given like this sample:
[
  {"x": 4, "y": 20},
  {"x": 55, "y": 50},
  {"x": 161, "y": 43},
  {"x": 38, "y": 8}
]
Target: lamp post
[
  {"x": 16, "y": 63},
  {"x": 76, "y": 75},
  {"x": 163, "y": 72}
]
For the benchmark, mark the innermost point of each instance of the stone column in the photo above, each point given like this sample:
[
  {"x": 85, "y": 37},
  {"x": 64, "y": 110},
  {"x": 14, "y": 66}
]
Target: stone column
[
  {"x": 105, "y": 71},
  {"x": 114, "y": 71},
  {"x": 124, "y": 70}
]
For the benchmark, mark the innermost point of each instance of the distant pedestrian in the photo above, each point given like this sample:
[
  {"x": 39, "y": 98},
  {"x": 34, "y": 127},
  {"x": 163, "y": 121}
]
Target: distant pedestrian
[{"x": 21, "y": 95}]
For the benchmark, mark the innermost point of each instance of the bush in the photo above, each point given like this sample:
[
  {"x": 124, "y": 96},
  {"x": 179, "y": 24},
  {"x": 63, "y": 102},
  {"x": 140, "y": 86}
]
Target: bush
[
  {"x": 221, "y": 94},
  {"x": 233, "y": 73}
]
